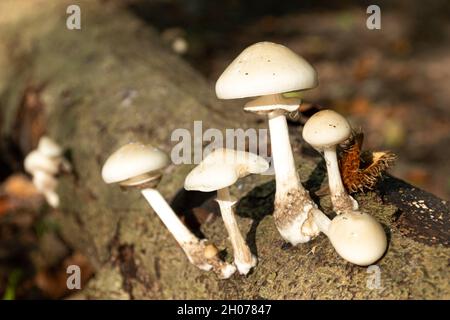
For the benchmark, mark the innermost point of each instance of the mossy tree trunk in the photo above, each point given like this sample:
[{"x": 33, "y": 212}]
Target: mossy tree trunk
[{"x": 112, "y": 82}]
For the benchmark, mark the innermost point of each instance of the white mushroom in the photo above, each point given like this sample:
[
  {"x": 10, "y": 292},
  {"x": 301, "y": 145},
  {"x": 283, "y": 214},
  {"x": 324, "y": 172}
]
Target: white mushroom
[
  {"x": 357, "y": 237},
  {"x": 219, "y": 170},
  {"x": 36, "y": 161},
  {"x": 43, "y": 164},
  {"x": 267, "y": 69},
  {"x": 52, "y": 151},
  {"x": 49, "y": 148},
  {"x": 324, "y": 131},
  {"x": 140, "y": 166}
]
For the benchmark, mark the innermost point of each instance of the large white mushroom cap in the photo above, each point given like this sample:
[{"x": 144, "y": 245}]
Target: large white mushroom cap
[
  {"x": 222, "y": 168},
  {"x": 133, "y": 160},
  {"x": 265, "y": 68},
  {"x": 357, "y": 237},
  {"x": 326, "y": 128}
]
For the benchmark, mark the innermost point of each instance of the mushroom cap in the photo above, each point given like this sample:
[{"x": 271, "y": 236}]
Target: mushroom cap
[
  {"x": 265, "y": 68},
  {"x": 222, "y": 168},
  {"x": 357, "y": 237},
  {"x": 36, "y": 161},
  {"x": 48, "y": 147},
  {"x": 133, "y": 160},
  {"x": 269, "y": 103},
  {"x": 326, "y": 128}
]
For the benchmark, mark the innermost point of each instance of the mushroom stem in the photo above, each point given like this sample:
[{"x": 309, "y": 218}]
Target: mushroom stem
[
  {"x": 292, "y": 202},
  {"x": 357, "y": 237},
  {"x": 341, "y": 200},
  {"x": 243, "y": 258},
  {"x": 180, "y": 232},
  {"x": 196, "y": 250}
]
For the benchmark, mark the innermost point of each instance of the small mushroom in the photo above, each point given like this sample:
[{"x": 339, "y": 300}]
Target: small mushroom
[
  {"x": 46, "y": 184},
  {"x": 219, "y": 170},
  {"x": 265, "y": 68},
  {"x": 49, "y": 148},
  {"x": 324, "y": 131},
  {"x": 270, "y": 70},
  {"x": 140, "y": 166},
  {"x": 357, "y": 237}
]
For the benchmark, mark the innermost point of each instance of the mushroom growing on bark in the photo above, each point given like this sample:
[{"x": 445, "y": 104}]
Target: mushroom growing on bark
[
  {"x": 219, "y": 170},
  {"x": 140, "y": 166},
  {"x": 357, "y": 237},
  {"x": 268, "y": 70},
  {"x": 324, "y": 131},
  {"x": 44, "y": 164}
]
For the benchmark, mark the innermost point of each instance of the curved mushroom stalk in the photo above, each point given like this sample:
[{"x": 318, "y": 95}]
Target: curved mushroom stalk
[
  {"x": 243, "y": 258},
  {"x": 197, "y": 251}
]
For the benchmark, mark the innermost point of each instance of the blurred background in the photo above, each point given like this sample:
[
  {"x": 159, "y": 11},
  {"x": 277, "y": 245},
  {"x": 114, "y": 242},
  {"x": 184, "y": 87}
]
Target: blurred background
[{"x": 392, "y": 83}]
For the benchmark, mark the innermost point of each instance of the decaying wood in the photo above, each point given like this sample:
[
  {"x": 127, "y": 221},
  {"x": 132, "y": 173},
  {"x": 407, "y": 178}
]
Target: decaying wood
[{"x": 113, "y": 82}]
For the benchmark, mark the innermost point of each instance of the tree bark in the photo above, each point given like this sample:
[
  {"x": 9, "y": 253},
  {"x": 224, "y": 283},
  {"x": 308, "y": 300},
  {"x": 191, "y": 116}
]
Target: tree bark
[{"x": 112, "y": 82}]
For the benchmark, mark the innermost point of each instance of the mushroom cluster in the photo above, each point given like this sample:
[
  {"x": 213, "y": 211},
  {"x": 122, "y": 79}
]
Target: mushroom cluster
[
  {"x": 274, "y": 77},
  {"x": 227, "y": 166},
  {"x": 44, "y": 164}
]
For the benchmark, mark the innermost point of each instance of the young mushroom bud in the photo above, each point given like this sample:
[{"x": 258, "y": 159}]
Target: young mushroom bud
[
  {"x": 219, "y": 170},
  {"x": 140, "y": 166},
  {"x": 269, "y": 70},
  {"x": 324, "y": 131}
]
